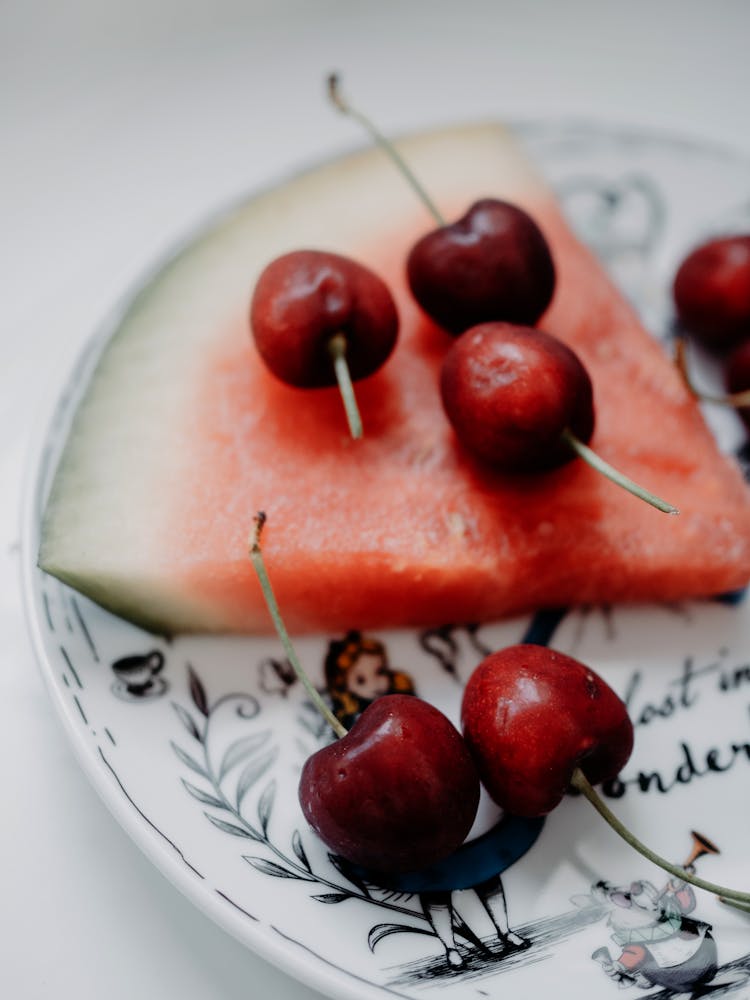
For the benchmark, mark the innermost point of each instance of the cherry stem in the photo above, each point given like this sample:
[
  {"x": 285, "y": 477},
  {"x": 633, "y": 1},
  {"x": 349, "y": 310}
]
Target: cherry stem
[
  {"x": 259, "y": 565},
  {"x": 732, "y": 897},
  {"x": 743, "y": 907},
  {"x": 337, "y": 350},
  {"x": 733, "y": 399},
  {"x": 596, "y": 462},
  {"x": 386, "y": 145}
]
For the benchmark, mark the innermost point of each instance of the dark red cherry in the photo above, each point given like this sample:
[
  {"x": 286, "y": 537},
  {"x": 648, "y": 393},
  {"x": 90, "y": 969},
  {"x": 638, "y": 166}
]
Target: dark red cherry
[
  {"x": 712, "y": 291},
  {"x": 738, "y": 375},
  {"x": 538, "y": 723},
  {"x": 531, "y": 716},
  {"x": 493, "y": 264},
  {"x": 303, "y": 300},
  {"x": 511, "y": 391},
  {"x": 398, "y": 793}
]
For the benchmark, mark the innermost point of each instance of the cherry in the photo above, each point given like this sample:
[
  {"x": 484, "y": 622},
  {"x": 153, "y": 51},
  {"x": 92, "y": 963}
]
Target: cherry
[
  {"x": 712, "y": 291},
  {"x": 522, "y": 401},
  {"x": 532, "y": 408},
  {"x": 398, "y": 793},
  {"x": 316, "y": 316},
  {"x": 539, "y": 723},
  {"x": 738, "y": 378},
  {"x": 736, "y": 375},
  {"x": 511, "y": 391},
  {"x": 492, "y": 264},
  {"x": 531, "y": 716}
]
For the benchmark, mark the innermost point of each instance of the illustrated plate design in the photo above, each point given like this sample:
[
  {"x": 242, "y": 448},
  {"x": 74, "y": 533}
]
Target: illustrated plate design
[{"x": 196, "y": 744}]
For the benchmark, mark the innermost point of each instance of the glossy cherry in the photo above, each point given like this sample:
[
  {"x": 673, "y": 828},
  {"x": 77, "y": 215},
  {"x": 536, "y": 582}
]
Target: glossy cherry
[
  {"x": 521, "y": 401},
  {"x": 319, "y": 319},
  {"x": 510, "y": 392},
  {"x": 531, "y": 716},
  {"x": 712, "y": 291},
  {"x": 738, "y": 376},
  {"x": 492, "y": 264},
  {"x": 304, "y": 299},
  {"x": 398, "y": 792},
  {"x": 539, "y": 723}
]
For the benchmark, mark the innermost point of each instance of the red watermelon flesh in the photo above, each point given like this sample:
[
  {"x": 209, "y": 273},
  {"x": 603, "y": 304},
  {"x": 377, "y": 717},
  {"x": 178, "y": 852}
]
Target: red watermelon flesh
[{"x": 402, "y": 527}]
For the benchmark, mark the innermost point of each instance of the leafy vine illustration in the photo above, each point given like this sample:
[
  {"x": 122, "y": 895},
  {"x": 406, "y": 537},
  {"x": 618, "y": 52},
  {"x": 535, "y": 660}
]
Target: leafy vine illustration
[
  {"x": 247, "y": 760},
  {"x": 255, "y": 756}
]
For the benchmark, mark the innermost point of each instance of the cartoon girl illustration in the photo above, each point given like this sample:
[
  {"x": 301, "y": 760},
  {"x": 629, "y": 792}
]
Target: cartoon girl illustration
[{"x": 357, "y": 672}]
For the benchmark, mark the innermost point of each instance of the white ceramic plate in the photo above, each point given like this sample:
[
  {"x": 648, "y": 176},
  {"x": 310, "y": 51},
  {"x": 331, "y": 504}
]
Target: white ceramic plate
[{"x": 196, "y": 744}]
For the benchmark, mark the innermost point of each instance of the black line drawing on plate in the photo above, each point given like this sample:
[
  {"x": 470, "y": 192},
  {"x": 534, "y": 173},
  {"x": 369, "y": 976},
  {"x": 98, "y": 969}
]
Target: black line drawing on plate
[
  {"x": 444, "y": 644},
  {"x": 137, "y": 676},
  {"x": 230, "y": 777},
  {"x": 142, "y": 814},
  {"x": 84, "y": 629},
  {"x": 69, "y": 664},
  {"x": 276, "y": 676}
]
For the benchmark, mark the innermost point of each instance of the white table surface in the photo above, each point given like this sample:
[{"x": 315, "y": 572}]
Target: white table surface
[{"x": 122, "y": 125}]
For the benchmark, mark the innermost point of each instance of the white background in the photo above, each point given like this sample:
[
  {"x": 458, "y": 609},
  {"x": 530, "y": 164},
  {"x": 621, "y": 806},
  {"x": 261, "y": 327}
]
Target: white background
[{"x": 123, "y": 123}]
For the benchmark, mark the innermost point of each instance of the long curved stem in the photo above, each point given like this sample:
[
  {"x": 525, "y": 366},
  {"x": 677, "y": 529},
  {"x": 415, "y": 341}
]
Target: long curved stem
[
  {"x": 596, "y": 462},
  {"x": 337, "y": 350},
  {"x": 582, "y": 784},
  {"x": 734, "y": 399},
  {"x": 743, "y": 907},
  {"x": 259, "y": 565},
  {"x": 386, "y": 145}
]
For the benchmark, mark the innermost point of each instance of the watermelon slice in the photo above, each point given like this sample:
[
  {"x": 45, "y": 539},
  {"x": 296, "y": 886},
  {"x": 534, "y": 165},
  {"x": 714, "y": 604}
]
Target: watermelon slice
[{"x": 182, "y": 436}]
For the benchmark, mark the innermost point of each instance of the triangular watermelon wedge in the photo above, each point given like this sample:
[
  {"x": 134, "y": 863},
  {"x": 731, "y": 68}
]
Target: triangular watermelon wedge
[{"x": 182, "y": 436}]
